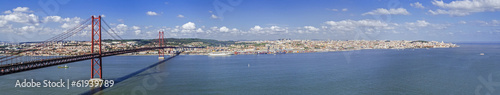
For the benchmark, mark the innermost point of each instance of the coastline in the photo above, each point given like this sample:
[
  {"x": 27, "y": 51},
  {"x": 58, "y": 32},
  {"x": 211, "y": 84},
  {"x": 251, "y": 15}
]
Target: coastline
[
  {"x": 303, "y": 51},
  {"x": 206, "y": 54}
]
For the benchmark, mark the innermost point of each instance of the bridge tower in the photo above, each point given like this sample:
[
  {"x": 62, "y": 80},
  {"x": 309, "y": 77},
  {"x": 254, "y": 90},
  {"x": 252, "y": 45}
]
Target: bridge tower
[
  {"x": 96, "y": 48},
  {"x": 161, "y": 54}
]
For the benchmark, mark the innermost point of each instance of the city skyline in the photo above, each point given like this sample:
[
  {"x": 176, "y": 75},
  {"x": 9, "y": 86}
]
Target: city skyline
[{"x": 450, "y": 20}]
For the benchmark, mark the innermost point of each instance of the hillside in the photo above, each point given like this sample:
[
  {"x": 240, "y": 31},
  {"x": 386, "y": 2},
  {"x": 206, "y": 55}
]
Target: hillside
[{"x": 178, "y": 41}]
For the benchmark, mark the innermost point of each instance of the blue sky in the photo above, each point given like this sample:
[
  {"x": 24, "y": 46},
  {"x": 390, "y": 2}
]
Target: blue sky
[{"x": 449, "y": 20}]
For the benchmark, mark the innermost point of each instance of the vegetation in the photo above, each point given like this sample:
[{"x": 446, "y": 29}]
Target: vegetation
[
  {"x": 422, "y": 41},
  {"x": 260, "y": 44},
  {"x": 178, "y": 41}
]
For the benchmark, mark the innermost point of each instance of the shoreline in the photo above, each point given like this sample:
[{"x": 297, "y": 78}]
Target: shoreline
[
  {"x": 304, "y": 51},
  {"x": 292, "y": 53}
]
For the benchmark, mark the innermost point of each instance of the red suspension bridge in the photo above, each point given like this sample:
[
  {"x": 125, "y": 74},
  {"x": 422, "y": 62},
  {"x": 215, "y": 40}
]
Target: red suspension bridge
[{"x": 15, "y": 62}]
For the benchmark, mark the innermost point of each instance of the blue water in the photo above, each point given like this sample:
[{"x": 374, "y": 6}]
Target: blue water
[{"x": 446, "y": 71}]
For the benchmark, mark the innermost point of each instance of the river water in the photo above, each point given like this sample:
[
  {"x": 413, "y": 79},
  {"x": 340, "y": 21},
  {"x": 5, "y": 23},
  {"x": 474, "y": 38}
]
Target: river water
[{"x": 439, "y": 71}]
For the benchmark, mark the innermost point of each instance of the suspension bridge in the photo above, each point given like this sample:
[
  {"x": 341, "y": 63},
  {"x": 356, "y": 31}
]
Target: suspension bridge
[{"x": 20, "y": 60}]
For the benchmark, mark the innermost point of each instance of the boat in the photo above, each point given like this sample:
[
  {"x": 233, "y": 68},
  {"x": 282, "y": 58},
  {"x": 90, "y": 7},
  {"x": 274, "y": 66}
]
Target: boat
[
  {"x": 62, "y": 66},
  {"x": 481, "y": 54},
  {"x": 219, "y": 54}
]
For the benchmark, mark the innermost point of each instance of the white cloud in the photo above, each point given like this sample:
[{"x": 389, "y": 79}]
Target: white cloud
[
  {"x": 147, "y": 27},
  {"x": 342, "y": 28},
  {"x": 422, "y": 24},
  {"x": 66, "y": 25},
  {"x": 223, "y": 29},
  {"x": 67, "y": 22},
  {"x": 121, "y": 20},
  {"x": 489, "y": 23},
  {"x": 28, "y": 28},
  {"x": 180, "y": 16},
  {"x": 449, "y": 12},
  {"x": 137, "y": 30},
  {"x": 189, "y": 26},
  {"x": 365, "y": 23},
  {"x": 52, "y": 19},
  {"x": 3, "y": 23},
  {"x": 311, "y": 28},
  {"x": 20, "y": 15},
  {"x": 352, "y": 25},
  {"x": 277, "y": 28},
  {"x": 121, "y": 28},
  {"x": 22, "y": 9},
  {"x": 274, "y": 27},
  {"x": 382, "y": 11},
  {"x": 417, "y": 5},
  {"x": 23, "y": 22},
  {"x": 462, "y": 22},
  {"x": 375, "y": 27},
  {"x": 136, "y": 27},
  {"x": 344, "y": 9},
  {"x": 419, "y": 23},
  {"x": 256, "y": 28},
  {"x": 213, "y": 16},
  {"x": 214, "y": 28},
  {"x": 465, "y": 7},
  {"x": 199, "y": 30},
  {"x": 151, "y": 13},
  {"x": 7, "y": 12}
]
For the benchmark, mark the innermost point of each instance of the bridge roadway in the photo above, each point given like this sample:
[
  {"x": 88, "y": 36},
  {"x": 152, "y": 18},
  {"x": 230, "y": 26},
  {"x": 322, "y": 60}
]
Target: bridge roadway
[{"x": 31, "y": 65}]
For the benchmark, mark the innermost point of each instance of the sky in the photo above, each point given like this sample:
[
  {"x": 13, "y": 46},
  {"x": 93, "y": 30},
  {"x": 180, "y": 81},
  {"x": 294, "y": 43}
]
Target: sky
[{"x": 448, "y": 20}]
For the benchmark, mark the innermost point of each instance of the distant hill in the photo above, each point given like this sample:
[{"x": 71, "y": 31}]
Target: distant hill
[
  {"x": 422, "y": 41},
  {"x": 177, "y": 41}
]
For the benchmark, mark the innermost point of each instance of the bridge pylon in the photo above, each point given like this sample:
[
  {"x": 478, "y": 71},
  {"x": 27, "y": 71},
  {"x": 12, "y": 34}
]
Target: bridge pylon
[
  {"x": 96, "y": 48},
  {"x": 161, "y": 52}
]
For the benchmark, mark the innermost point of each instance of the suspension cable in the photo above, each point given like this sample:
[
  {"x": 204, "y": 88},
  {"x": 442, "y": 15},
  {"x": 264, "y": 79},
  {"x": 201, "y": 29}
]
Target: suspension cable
[{"x": 111, "y": 29}]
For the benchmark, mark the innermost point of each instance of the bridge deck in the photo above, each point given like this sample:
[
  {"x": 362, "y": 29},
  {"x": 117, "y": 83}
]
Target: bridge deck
[{"x": 26, "y": 66}]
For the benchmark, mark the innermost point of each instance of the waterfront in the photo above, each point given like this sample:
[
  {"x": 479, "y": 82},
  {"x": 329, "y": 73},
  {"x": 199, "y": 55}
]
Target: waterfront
[
  {"x": 237, "y": 47},
  {"x": 435, "y": 71}
]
